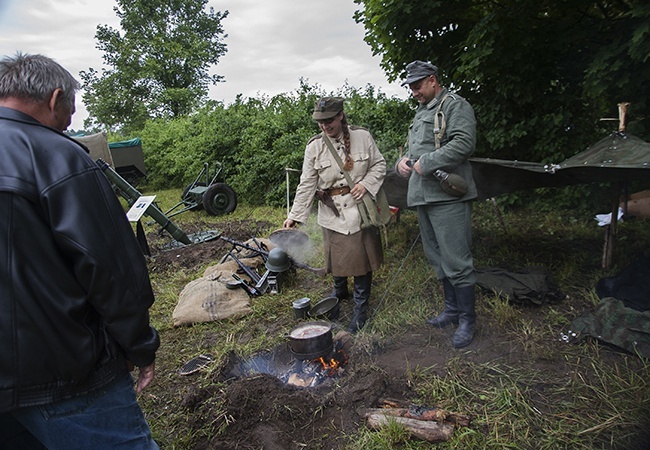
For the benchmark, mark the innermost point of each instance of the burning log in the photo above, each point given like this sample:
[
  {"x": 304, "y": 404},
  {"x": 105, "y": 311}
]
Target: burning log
[
  {"x": 301, "y": 380},
  {"x": 428, "y": 430}
]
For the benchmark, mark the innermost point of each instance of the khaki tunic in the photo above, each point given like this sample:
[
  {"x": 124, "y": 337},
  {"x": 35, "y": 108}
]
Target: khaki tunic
[{"x": 320, "y": 171}]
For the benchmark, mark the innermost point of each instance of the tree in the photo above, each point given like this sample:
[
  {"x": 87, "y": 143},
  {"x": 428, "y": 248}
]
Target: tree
[
  {"x": 539, "y": 73},
  {"x": 158, "y": 65}
]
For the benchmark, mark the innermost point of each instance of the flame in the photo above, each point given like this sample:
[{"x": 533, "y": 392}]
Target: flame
[{"x": 331, "y": 368}]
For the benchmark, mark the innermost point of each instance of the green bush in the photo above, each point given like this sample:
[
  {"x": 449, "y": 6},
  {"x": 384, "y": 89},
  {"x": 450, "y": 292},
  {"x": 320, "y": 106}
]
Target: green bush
[{"x": 256, "y": 139}]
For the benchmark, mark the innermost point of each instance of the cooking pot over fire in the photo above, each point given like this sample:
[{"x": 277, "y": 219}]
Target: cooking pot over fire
[{"x": 311, "y": 340}]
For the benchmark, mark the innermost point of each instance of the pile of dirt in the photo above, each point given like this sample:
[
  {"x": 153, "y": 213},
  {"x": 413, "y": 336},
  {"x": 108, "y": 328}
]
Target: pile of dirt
[
  {"x": 169, "y": 256},
  {"x": 262, "y": 411}
]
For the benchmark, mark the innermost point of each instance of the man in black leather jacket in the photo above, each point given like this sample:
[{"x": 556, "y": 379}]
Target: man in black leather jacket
[{"x": 74, "y": 286}]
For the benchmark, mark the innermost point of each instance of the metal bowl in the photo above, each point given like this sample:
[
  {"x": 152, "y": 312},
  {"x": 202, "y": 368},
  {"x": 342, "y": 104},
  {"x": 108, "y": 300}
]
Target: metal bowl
[{"x": 328, "y": 308}]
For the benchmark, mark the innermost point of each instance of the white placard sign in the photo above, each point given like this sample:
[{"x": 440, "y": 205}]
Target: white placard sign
[{"x": 139, "y": 207}]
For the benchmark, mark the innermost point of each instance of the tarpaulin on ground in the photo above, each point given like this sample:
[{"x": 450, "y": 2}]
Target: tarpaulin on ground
[
  {"x": 612, "y": 322},
  {"x": 529, "y": 285},
  {"x": 623, "y": 316}
]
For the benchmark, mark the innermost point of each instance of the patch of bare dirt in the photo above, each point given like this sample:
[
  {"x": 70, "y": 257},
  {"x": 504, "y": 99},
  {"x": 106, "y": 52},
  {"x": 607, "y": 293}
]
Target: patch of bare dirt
[
  {"x": 165, "y": 256},
  {"x": 267, "y": 413}
]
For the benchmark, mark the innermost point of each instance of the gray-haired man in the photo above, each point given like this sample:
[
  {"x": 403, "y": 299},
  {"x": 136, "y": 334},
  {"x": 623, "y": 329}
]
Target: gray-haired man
[{"x": 74, "y": 286}]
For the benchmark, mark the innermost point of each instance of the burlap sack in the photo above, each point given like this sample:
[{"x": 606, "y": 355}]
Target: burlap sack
[{"x": 207, "y": 299}]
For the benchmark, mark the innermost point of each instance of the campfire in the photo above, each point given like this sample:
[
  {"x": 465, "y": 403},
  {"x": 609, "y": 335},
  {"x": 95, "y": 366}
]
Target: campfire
[
  {"x": 294, "y": 370},
  {"x": 310, "y": 373}
]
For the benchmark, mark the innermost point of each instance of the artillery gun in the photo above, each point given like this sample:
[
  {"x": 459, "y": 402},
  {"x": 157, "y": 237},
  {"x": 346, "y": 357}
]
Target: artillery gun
[
  {"x": 131, "y": 195},
  {"x": 205, "y": 193}
]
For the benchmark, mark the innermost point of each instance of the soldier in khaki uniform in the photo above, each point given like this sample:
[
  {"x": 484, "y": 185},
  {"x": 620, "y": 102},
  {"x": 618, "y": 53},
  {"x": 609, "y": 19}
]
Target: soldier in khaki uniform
[
  {"x": 441, "y": 138},
  {"x": 349, "y": 250}
]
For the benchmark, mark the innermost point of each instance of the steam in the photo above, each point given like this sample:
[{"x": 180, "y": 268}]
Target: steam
[{"x": 305, "y": 252}]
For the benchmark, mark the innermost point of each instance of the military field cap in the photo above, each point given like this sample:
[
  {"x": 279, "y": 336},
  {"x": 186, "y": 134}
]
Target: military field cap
[
  {"x": 327, "y": 107},
  {"x": 417, "y": 70}
]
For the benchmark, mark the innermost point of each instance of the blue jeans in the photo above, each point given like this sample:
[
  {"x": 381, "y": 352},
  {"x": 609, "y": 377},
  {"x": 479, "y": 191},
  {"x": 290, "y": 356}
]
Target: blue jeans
[{"x": 109, "y": 418}]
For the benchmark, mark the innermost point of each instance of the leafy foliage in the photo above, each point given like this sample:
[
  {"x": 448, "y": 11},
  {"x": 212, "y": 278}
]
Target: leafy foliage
[
  {"x": 256, "y": 139},
  {"x": 540, "y": 74},
  {"x": 159, "y": 64}
]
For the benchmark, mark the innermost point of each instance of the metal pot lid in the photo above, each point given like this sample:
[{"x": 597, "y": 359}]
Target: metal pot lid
[
  {"x": 301, "y": 302},
  {"x": 310, "y": 330},
  {"x": 289, "y": 238},
  {"x": 233, "y": 284}
]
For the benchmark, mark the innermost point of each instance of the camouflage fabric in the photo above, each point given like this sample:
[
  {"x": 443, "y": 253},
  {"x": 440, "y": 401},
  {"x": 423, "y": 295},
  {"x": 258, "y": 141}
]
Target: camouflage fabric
[{"x": 616, "y": 324}]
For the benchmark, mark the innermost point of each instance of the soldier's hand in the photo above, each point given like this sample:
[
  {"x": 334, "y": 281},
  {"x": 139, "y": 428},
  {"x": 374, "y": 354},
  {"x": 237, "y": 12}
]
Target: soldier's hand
[
  {"x": 417, "y": 167},
  {"x": 403, "y": 168}
]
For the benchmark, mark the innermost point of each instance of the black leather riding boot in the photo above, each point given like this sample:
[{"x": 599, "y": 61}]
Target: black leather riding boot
[
  {"x": 466, "y": 300},
  {"x": 450, "y": 314},
  {"x": 361, "y": 298},
  {"x": 340, "y": 288}
]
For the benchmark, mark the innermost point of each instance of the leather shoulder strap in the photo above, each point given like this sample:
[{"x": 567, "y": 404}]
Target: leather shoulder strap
[{"x": 439, "y": 122}]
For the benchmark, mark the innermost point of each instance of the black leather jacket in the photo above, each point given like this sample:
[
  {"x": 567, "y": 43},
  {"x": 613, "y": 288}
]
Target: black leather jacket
[{"x": 74, "y": 286}]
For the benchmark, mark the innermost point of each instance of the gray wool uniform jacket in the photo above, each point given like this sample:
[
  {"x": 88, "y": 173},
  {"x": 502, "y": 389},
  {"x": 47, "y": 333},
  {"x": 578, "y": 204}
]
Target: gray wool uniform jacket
[{"x": 457, "y": 144}]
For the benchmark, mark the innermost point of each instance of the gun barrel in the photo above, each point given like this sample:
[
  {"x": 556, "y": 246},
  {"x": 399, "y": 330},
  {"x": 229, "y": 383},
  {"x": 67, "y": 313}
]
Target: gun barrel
[
  {"x": 131, "y": 195},
  {"x": 244, "y": 245}
]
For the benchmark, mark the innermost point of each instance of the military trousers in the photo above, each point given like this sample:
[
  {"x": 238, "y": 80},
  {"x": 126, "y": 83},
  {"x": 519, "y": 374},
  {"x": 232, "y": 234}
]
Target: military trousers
[{"x": 446, "y": 232}]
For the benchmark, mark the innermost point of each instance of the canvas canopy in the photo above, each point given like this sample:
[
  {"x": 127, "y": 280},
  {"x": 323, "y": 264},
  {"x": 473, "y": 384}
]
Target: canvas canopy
[
  {"x": 619, "y": 157},
  {"x": 97, "y": 144},
  {"x": 129, "y": 143}
]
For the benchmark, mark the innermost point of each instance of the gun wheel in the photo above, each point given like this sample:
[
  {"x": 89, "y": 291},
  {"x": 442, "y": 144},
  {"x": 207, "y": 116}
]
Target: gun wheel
[{"x": 219, "y": 199}]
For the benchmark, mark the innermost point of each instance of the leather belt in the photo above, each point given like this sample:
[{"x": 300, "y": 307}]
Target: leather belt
[{"x": 339, "y": 191}]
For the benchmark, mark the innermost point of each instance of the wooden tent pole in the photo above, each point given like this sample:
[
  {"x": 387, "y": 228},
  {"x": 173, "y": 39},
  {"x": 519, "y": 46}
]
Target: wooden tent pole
[{"x": 610, "y": 232}]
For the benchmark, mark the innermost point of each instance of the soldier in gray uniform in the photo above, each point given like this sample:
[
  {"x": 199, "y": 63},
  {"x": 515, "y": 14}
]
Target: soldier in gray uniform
[{"x": 441, "y": 139}]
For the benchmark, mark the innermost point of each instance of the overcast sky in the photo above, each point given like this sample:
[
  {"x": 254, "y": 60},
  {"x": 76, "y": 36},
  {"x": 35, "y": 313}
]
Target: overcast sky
[{"x": 271, "y": 43}]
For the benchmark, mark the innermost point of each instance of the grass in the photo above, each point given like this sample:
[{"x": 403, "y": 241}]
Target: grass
[{"x": 599, "y": 400}]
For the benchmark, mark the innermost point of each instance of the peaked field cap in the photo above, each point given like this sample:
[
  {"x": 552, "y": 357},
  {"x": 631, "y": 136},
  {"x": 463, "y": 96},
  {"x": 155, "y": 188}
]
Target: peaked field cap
[
  {"x": 327, "y": 107},
  {"x": 417, "y": 70}
]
